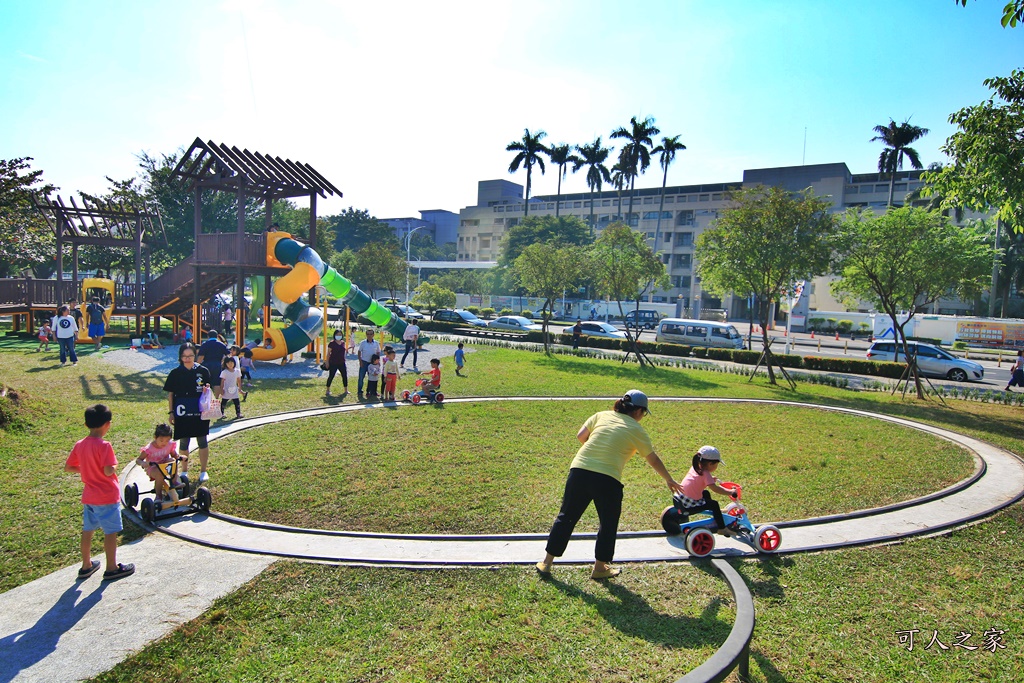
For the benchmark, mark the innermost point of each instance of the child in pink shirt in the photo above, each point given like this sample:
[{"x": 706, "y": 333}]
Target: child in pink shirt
[
  {"x": 160, "y": 451},
  {"x": 94, "y": 461},
  {"x": 694, "y": 497}
]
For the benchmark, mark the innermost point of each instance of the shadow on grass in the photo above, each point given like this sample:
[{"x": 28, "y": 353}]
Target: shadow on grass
[
  {"x": 771, "y": 674},
  {"x": 144, "y": 387},
  {"x": 630, "y": 614},
  {"x": 627, "y": 372}
]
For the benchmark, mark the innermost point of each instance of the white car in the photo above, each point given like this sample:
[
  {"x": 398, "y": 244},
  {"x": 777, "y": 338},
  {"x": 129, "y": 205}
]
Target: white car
[
  {"x": 598, "y": 329},
  {"x": 516, "y": 323}
]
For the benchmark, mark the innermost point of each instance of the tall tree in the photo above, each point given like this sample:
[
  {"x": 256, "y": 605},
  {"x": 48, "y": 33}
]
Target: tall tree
[
  {"x": 547, "y": 269},
  {"x": 763, "y": 243},
  {"x": 666, "y": 152},
  {"x": 433, "y": 297},
  {"x": 987, "y": 154},
  {"x": 564, "y": 230},
  {"x": 561, "y": 156},
  {"x": 380, "y": 266},
  {"x": 593, "y": 157},
  {"x": 355, "y": 228},
  {"x": 897, "y": 139},
  {"x": 26, "y": 241},
  {"x": 620, "y": 178},
  {"x": 635, "y": 156},
  {"x": 529, "y": 151},
  {"x": 905, "y": 260},
  {"x": 624, "y": 267}
]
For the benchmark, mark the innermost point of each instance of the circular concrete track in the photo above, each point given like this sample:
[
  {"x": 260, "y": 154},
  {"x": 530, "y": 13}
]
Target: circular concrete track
[{"x": 998, "y": 481}]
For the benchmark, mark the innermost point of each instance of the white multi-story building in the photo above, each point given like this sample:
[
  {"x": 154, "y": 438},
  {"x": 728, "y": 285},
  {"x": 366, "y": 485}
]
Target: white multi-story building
[{"x": 688, "y": 210}]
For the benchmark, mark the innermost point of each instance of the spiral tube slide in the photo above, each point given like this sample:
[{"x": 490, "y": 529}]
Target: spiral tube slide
[{"x": 309, "y": 270}]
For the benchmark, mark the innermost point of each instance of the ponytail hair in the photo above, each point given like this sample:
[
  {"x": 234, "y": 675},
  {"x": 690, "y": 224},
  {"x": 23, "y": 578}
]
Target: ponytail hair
[
  {"x": 698, "y": 463},
  {"x": 623, "y": 407}
]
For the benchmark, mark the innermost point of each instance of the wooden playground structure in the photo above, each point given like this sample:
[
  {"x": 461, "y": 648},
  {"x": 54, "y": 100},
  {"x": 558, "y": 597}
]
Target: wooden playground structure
[{"x": 219, "y": 261}]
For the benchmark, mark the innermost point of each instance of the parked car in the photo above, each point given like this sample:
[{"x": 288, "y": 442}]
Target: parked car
[
  {"x": 403, "y": 311},
  {"x": 597, "y": 329},
  {"x": 450, "y": 315},
  {"x": 516, "y": 323},
  {"x": 642, "y": 319},
  {"x": 931, "y": 360}
]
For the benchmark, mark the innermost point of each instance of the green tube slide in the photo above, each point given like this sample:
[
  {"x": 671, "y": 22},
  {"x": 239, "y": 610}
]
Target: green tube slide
[{"x": 292, "y": 253}]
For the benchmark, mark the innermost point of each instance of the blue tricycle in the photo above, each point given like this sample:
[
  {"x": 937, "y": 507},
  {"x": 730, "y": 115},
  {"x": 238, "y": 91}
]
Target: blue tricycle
[{"x": 700, "y": 540}]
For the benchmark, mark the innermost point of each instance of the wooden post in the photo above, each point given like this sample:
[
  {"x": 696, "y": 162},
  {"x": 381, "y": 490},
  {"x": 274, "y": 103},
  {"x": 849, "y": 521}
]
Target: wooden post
[
  {"x": 138, "y": 272},
  {"x": 239, "y": 277},
  {"x": 312, "y": 245}
]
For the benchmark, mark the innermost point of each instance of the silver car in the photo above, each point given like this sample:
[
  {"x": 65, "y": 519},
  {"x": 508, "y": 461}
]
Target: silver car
[
  {"x": 931, "y": 360},
  {"x": 597, "y": 329},
  {"x": 516, "y": 323}
]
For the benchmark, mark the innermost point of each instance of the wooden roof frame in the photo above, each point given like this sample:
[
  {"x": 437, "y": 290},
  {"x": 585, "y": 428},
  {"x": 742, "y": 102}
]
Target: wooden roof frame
[
  {"x": 109, "y": 224},
  {"x": 216, "y": 166}
]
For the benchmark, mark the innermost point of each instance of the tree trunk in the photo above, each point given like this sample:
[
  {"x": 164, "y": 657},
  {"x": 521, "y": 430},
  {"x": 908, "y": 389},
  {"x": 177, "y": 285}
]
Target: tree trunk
[
  {"x": 892, "y": 179},
  {"x": 558, "y": 194},
  {"x": 526, "y": 204}
]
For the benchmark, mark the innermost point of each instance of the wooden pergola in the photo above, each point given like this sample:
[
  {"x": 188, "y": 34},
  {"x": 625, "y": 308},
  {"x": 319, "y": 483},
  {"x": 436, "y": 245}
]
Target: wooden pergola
[
  {"x": 215, "y": 166},
  {"x": 103, "y": 223}
]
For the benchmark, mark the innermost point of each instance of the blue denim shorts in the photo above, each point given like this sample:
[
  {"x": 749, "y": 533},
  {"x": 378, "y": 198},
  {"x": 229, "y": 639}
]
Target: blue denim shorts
[{"x": 106, "y": 517}]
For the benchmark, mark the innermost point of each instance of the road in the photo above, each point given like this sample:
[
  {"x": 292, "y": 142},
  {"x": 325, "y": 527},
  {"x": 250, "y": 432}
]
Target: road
[{"x": 996, "y": 374}]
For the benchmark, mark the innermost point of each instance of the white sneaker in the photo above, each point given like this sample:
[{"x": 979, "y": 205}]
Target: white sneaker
[
  {"x": 203, "y": 477},
  {"x": 329, "y": 392}
]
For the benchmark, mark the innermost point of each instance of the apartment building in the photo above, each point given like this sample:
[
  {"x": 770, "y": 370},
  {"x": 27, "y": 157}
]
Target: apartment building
[{"x": 688, "y": 211}]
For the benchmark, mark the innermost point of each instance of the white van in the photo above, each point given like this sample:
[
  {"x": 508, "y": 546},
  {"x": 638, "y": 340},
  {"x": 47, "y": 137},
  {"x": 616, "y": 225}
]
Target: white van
[{"x": 699, "y": 333}]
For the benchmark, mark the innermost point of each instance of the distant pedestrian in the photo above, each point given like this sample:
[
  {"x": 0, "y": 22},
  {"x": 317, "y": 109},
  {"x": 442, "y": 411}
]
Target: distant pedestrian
[
  {"x": 67, "y": 330},
  {"x": 94, "y": 461},
  {"x": 366, "y": 350},
  {"x": 97, "y": 323},
  {"x": 336, "y": 361},
  {"x": 44, "y": 337},
  {"x": 460, "y": 359},
  {"x": 230, "y": 385},
  {"x": 412, "y": 339},
  {"x": 577, "y": 333},
  {"x": 1017, "y": 372},
  {"x": 210, "y": 355}
]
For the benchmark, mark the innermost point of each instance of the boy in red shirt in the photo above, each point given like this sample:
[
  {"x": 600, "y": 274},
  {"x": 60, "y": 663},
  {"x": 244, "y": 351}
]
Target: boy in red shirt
[
  {"x": 93, "y": 459},
  {"x": 434, "y": 383}
]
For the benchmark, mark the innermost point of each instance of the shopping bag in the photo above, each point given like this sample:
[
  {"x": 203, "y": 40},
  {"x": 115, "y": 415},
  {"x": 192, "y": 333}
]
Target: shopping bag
[{"x": 209, "y": 406}]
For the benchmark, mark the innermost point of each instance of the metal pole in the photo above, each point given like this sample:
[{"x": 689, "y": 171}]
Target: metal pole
[{"x": 995, "y": 276}]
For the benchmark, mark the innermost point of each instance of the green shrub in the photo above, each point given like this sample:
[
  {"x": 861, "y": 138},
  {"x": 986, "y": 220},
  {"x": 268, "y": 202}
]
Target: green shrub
[
  {"x": 830, "y": 324},
  {"x": 845, "y": 326},
  {"x": 475, "y": 310},
  {"x": 960, "y": 346},
  {"x": 526, "y": 313},
  {"x": 855, "y": 366},
  {"x": 926, "y": 340},
  {"x": 815, "y": 324},
  {"x": 487, "y": 313},
  {"x": 505, "y": 311}
]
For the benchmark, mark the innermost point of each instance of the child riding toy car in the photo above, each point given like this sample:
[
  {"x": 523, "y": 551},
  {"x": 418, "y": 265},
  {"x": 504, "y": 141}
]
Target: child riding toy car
[
  {"x": 184, "y": 499},
  {"x": 419, "y": 394},
  {"x": 698, "y": 533}
]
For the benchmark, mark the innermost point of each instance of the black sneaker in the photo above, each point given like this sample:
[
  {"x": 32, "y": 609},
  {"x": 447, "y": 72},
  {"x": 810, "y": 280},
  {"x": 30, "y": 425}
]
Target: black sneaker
[{"x": 122, "y": 571}]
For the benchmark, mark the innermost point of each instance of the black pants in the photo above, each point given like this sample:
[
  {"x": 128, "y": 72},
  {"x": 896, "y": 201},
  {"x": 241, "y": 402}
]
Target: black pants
[
  {"x": 582, "y": 487},
  {"x": 333, "y": 370},
  {"x": 224, "y": 404},
  {"x": 709, "y": 505}
]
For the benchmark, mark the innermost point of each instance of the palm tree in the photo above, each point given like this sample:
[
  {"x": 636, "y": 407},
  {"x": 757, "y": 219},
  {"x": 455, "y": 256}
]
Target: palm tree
[
  {"x": 897, "y": 139},
  {"x": 530, "y": 149},
  {"x": 667, "y": 154},
  {"x": 636, "y": 154},
  {"x": 620, "y": 177},
  {"x": 593, "y": 156},
  {"x": 561, "y": 156}
]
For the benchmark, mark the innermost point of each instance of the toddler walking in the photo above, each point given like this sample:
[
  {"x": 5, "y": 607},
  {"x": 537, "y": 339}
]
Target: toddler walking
[
  {"x": 44, "y": 337},
  {"x": 390, "y": 374},
  {"x": 373, "y": 372},
  {"x": 230, "y": 385}
]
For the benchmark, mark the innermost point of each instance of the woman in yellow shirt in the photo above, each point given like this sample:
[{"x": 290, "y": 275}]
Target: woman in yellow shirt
[{"x": 610, "y": 439}]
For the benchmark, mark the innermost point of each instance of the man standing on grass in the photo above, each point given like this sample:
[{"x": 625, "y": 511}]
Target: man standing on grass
[{"x": 366, "y": 351}]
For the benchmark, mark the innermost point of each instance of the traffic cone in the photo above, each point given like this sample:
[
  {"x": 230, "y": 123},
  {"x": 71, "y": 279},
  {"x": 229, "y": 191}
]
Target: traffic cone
[
  {"x": 837, "y": 335},
  {"x": 812, "y": 334}
]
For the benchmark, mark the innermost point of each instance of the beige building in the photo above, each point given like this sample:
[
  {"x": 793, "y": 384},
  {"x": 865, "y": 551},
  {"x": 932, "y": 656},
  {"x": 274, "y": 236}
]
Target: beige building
[{"x": 688, "y": 210}]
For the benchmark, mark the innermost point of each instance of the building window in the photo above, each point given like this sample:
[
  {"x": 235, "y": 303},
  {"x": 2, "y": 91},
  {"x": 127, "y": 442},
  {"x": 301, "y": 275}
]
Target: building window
[
  {"x": 681, "y": 282},
  {"x": 649, "y": 200},
  {"x": 685, "y": 239},
  {"x": 668, "y": 200},
  {"x": 682, "y": 199},
  {"x": 606, "y": 202},
  {"x": 485, "y": 243},
  {"x": 705, "y": 197},
  {"x": 685, "y": 217},
  {"x": 577, "y": 205},
  {"x": 716, "y": 197},
  {"x": 667, "y": 237},
  {"x": 499, "y": 209},
  {"x": 852, "y": 189},
  {"x": 470, "y": 223},
  {"x": 882, "y": 188},
  {"x": 681, "y": 260}
]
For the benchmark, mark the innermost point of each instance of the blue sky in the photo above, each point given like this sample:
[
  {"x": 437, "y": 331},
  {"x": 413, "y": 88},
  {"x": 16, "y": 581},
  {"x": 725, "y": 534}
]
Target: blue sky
[{"x": 405, "y": 106}]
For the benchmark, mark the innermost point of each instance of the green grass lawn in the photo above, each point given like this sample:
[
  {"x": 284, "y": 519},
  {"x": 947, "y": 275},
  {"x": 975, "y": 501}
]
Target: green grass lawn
[
  {"x": 821, "y": 617},
  {"x": 500, "y": 467}
]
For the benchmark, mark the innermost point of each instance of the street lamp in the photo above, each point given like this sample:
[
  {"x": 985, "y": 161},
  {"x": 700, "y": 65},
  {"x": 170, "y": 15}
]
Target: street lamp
[{"x": 408, "y": 252}]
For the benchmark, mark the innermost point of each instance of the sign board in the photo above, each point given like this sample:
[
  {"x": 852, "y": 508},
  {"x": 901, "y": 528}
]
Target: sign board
[{"x": 991, "y": 333}]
